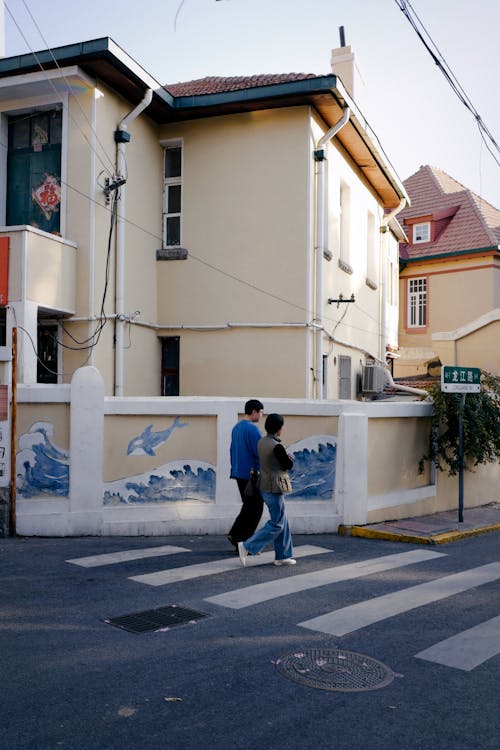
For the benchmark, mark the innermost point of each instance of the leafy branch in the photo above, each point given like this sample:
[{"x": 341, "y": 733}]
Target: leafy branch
[{"x": 481, "y": 425}]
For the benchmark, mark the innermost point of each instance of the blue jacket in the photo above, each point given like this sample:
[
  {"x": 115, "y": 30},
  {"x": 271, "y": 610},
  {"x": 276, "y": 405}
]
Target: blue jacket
[{"x": 244, "y": 456}]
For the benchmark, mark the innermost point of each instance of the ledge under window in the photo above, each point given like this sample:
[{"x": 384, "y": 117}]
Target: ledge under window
[
  {"x": 172, "y": 253},
  {"x": 345, "y": 266}
]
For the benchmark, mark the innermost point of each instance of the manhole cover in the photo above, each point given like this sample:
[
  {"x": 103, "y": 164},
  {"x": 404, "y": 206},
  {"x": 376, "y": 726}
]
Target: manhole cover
[
  {"x": 162, "y": 618},
  {"x": 328, "y": 669}
]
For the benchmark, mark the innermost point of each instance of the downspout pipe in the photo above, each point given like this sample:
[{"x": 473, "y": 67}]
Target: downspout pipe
[
  {"x": 384, "y": 224},
  {"x": 122, "y": 137},
  {"x": 321, "y": 211}
]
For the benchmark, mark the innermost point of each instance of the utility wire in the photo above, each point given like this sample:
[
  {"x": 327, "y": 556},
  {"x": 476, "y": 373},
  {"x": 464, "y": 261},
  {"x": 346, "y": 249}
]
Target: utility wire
[
  {"x": 406, "y": 7},
  {"x": 68, "y": 85},
  {"x": 94, "y": 338}
]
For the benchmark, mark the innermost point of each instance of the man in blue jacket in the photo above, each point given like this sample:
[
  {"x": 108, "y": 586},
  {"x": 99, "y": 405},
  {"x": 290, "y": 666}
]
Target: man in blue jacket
[{"x": 244, "y": 459}]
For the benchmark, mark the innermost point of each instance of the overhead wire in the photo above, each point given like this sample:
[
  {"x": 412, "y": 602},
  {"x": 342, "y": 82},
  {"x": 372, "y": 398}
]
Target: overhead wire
[
  {"x": 409, "y": 12},
  {"x": 93, "y": 339},
  {"x": 67, "y": 84}
]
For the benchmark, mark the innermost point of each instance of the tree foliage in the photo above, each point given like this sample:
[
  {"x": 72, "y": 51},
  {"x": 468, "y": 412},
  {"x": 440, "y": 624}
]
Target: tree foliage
[{"x": 481, "y": 427}]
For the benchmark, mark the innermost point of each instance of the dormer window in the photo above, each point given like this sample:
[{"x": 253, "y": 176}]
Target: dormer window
[{"x": 422, "y": 232}]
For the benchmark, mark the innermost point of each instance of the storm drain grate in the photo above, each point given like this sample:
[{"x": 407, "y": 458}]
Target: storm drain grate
[
  {"x": 162, "y": 618},
  {"x": 344, "y": 671}
]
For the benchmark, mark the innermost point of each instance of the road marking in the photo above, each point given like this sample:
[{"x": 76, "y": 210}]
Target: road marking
[
  {"x": 163, "y": 577},
  {"x": 111, "y": 558},
  {"x": 357, "y": 616},
  {"x": 468, "y": 649},
  {"x": 261, "y": 592}
]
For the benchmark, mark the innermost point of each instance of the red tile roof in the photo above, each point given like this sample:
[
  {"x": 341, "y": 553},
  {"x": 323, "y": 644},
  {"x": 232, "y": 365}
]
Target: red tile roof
[
  {"x": 462, "y": 220},
  {"x": 219, "y": 85}
]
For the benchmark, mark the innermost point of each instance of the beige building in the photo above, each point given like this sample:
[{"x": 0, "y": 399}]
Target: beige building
[
  {"x": 220, "y": 237},
  {"x": 450, "y": 278}
]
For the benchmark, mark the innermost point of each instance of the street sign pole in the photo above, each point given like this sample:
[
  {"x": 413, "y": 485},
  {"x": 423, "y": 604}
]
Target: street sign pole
[
  {"x": 461, "y": 460},
  {"x": 461, "y": 380}
]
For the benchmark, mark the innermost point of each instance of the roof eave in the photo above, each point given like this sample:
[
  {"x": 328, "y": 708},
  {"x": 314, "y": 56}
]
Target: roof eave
[{"x": 453, "y": 254}]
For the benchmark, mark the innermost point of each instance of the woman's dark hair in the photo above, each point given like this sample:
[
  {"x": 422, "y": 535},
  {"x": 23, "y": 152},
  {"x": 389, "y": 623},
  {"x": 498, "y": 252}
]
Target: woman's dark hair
[{"x": 274, "y": 422}]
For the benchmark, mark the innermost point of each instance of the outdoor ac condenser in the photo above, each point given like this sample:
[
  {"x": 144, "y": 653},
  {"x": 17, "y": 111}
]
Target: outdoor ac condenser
[{"x": 373, "y": 379}]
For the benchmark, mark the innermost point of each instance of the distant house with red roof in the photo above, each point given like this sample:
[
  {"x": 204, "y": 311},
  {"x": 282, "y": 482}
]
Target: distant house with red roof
[{"x": 449, "y": 277}]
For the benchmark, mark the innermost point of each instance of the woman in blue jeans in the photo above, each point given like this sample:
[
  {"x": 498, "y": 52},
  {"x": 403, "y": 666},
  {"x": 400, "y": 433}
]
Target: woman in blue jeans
[{"x": 274, "y": 464}]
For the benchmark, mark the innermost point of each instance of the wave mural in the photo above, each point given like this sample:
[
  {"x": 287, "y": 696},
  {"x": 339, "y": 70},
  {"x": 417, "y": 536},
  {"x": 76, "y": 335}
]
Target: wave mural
[
  {"x": 177, "y": 480},
  {"x": 41, "y": 467},
  {"x": 313, "y": 473},
  {"x": 43, "y": 470}
]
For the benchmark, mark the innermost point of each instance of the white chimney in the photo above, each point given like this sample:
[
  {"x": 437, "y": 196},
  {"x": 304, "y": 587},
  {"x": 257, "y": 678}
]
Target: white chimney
[
  {"x": 343, "y": 65},
  {"x": 2, "y": 29}
]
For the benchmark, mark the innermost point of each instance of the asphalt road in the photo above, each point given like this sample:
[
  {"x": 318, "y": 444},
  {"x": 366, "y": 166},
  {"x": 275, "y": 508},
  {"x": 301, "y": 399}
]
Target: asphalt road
[{"x": 71, "y": 680}]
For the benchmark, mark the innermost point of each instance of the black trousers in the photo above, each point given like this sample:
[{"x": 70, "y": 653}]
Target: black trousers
[{"x": 249, "y": 516}]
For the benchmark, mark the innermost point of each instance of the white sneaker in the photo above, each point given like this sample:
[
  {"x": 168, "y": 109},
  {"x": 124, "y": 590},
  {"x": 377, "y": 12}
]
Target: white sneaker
[
  {"x": 242, "y": 552},
  {"x": 286, "y": 561}
]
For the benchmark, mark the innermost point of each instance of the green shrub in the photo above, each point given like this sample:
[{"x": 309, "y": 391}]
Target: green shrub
[{"x": 481, "y": 425}]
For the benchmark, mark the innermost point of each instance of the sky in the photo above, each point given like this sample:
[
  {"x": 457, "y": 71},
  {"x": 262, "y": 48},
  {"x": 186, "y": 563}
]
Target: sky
[{"x": 401, "y": 92}]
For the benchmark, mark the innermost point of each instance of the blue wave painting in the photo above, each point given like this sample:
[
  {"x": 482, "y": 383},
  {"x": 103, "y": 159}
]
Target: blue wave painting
[
  {"x": 313, "y": 472},
  {"x": 42, "y": 469},
  {"x": 177, "y": 480}
]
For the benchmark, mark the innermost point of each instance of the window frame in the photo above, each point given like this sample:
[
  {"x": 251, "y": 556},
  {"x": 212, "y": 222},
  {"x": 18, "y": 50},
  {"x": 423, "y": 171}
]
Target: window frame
[
  {"x": 44, "y": 103},
  {"x": 417, "y": 303},
  {"x": 427, "y": 238},
  {"x": 372, "y": 252},
  {"x": 345, "y": 238},
  {"x": 172, "y": 182}
]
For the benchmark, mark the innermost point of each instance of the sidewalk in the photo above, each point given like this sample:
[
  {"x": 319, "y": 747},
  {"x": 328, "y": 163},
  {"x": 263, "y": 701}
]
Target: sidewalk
[{"x": 438, "y": 528}]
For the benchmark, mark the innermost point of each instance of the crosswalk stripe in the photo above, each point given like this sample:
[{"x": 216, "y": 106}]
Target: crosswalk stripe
[
  {"x": 357, "y": 616},
  {"x": 468, "y": 649},
  {"x": 163, "y": 577},
  {"x": 244, "y": 597},
  {"x": 111, "y": 558}
]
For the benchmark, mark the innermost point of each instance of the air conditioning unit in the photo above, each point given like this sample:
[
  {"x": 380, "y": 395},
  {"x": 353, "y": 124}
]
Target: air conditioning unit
[{"x": 373, "y": 379}]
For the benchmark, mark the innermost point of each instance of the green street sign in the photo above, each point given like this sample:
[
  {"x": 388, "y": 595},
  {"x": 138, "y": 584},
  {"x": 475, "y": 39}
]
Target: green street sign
[{"x": 460, "y": 379}]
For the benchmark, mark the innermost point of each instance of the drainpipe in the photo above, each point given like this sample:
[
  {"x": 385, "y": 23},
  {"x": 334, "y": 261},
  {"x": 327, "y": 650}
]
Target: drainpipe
[
  {"x": 320, "y": 158},
  {"x": 122, "y": 137},
  {"x": 384, "y": 226}
]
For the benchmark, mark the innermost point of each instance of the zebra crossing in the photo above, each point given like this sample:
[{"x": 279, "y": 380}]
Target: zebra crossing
[{"x": 464, "y": 651}]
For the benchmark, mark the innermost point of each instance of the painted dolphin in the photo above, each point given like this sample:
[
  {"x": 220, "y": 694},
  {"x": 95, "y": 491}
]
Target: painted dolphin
[{"x": 146, "y": 443}]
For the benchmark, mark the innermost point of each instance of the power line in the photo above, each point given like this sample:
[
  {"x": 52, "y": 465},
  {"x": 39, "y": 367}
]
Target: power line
[
  {"x": 406, "y": 7},
  {"x": 58, "y": 95},
  {"x": 92, "y": 340}
]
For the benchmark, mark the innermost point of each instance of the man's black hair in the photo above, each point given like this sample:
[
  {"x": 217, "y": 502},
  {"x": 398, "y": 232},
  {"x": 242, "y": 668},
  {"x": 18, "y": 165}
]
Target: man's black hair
[
  {"x": 274, "y": 422},
  {"x": 253, "y": 405}
]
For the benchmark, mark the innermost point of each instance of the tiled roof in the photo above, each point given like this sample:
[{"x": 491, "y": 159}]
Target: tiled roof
[
  {"x": 463, "y": 220},
  {"x": 220, "y": 85}
]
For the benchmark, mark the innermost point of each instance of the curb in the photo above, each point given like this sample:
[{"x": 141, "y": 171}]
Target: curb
[{"x": 444, "y": 538}]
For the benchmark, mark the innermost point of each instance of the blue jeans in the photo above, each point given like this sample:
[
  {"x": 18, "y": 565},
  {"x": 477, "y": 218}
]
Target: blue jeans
[{"x": 276, "y": 530}]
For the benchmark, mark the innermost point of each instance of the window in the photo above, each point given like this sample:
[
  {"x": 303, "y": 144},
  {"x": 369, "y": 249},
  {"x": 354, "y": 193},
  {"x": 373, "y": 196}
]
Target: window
[
  {"x": 34, "y": 170},
  {"x": 372, "y": 257},
  {"x": 417, "y": 303},
  {"x": 172, "y": 195},
  {"x": 345, "y": 228},
  {"x": 47, "y": 353},
  {"x": 324, "y": 377},
  {"x": 344, "y": 377},
  {"x": 422, "y": 232},
  {"x": 170, "y": 366}
]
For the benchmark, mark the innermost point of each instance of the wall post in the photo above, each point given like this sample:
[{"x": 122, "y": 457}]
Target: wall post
[
  {"x": 86, "y": 451},
  {"x": 351, "y": 492}
]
